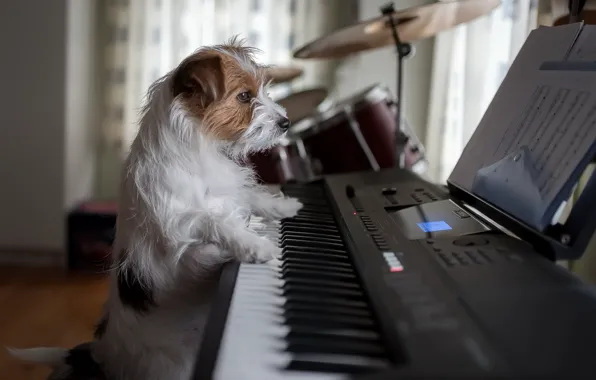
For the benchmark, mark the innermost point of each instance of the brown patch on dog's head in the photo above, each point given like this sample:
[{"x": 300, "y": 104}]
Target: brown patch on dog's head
[{"x": 217, "y": 85}]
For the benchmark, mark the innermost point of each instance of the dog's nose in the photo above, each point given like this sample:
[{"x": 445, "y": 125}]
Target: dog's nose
[{"x": 283, "y": 123}]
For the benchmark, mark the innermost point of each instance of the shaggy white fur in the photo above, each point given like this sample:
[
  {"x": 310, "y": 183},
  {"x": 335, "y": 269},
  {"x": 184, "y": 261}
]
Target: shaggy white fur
[{"x": 185, "y": 200}]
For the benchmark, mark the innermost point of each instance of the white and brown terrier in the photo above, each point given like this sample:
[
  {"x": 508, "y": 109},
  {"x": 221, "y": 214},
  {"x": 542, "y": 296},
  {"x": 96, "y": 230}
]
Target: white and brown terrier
[{"x": 185, "y": 200}]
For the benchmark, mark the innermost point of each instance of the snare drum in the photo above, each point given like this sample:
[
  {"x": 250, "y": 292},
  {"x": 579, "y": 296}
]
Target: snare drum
[
  {"x": 267, "y": 165},
  {"x": 357, "y": 133}
]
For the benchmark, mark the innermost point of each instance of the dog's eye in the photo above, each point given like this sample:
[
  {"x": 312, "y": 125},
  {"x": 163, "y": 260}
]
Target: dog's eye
[{"x": 244, "y": 97}]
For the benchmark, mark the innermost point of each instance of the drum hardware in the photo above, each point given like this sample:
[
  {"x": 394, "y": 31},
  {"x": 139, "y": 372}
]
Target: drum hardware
[
  {"x": 305, "y": 162},
  {"x": 408, "y": 144},
  {"x": 363, "y": 125},
  {"x": 302, "y": 104},
  {"x": 415, "y": 23},
  {"x": 284, "y": 163},
  {"x": 402, "y": 49},
  {"x": 398, "y": 28},
  {"x": 282, "y": 74},
  {"x": 355, "y": 126},
  {"x": 575, "y": 10}
]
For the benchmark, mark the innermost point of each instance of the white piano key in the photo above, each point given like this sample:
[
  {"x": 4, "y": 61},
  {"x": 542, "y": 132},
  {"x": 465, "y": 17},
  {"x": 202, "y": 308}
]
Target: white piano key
[{"x": 252, "y": 346}]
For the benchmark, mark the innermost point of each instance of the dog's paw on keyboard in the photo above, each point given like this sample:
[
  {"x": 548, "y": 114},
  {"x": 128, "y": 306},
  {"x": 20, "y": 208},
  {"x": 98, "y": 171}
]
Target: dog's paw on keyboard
[
  {"x": 264, "y": 251},
  {"x": 288, "y": 207}
]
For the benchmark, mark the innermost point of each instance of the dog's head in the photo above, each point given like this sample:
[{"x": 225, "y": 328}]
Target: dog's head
[{"x": 226, "y": 90}]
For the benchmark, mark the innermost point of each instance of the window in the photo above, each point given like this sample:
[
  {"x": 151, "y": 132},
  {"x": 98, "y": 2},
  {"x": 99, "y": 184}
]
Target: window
[
  {"x": 155, "y": 36},
  {"x": 291, "y": 40},
  {"x": 253, "y": 38}
]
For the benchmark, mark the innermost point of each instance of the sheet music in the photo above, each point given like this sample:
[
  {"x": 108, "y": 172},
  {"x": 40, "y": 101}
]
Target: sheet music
[
  {"x": 558, "y": 125},
  {"x": 551, "y": 112},
  {"x": 584, "y": 48}
]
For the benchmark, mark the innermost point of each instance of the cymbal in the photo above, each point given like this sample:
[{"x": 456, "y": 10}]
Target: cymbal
[
  {"x": 302, "y": 104},
  {"x": 413, "y": 24},
  {"x": 280, "y": 74}
]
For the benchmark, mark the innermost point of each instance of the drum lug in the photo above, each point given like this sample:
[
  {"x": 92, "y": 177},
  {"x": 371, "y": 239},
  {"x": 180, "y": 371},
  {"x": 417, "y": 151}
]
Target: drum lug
[{"x": 317, "y": 166}]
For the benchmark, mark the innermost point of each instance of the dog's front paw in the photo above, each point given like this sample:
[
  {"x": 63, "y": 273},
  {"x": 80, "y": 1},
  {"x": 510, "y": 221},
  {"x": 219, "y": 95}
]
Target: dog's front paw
[
  {"x": 275, "y": 264},
  {"x": 288, "y": 207},
  {"x": 262, "y": 251}
]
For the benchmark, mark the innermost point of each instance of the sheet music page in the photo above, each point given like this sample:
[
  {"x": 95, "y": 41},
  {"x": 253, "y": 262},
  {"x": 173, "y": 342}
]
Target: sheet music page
[
  {"x": 557, "y": 123},
  {"x": 551, "y": 112},
  {"x": 584, "y": 48}
]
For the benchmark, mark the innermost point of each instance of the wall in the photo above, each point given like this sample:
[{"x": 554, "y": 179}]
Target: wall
[
  {"x": 81, "y": 95},
  {"x": 38, "y": 132},
  {"x": 379, "y": 66}
]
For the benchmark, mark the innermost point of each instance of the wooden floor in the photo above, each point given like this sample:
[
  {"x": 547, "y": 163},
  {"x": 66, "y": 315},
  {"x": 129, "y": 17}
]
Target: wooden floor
[{"x": 45, "y": 307}]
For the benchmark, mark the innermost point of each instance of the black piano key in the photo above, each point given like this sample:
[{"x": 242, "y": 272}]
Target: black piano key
[
  {"x": 310, "y": 236},
  {"x": 290, "y": 223},
  {"x": 331, "y": 326},
  {"x": 351, "y": 364},
  {"x": 313, "y": 214},
  {"x": 320, "y": 345},
  {"x": 289, "y": 266},
  {"x": 313, "y": 255},
  {"x": 317, "y": 250},
  {"x": 328, "y": 320},
  {"x": 340, "y": 334},
  {"x": 314, "y": 273},
  {"x": 309, "y": 228},
  {"x": 290, "y": 289},
  {"x": 300, "y": 299},
  {"x": 334, "y": 309},
  {"x": 314, "y": 237},
  {"x": 312, "y": 217},
  {"x": 319, "y": 261},
  {"x": 324, "y": 323},
  {"x": 311, "y": 243}
]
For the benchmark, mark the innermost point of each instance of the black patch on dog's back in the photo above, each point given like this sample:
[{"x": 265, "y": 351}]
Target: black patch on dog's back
[
  {"x": 101, "y": 327},
  {"x": 132, "y": 292},
  {"x": 81, "y": 366}
]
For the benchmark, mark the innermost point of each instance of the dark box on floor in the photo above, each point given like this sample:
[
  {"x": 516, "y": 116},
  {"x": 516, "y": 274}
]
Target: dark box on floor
[{"x": 91, "y": 229}]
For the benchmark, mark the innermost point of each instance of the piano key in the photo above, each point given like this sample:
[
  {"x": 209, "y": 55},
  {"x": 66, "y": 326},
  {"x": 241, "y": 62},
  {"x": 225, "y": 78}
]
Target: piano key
[
  {"x": 310, "y": 236},
  {"x": 310, "y": 229},
  {"x": 304, "y": 242},
  {"x": 335, "y": 309},
  {"x": 321, "y": 345},
  {"x": 314, "y": 254},
  {"x": 335, "y": 334},
  {"x": 306, "y": 317},
  {"x": 350, "y": 364},
  {"x": 317, "y": 260}
]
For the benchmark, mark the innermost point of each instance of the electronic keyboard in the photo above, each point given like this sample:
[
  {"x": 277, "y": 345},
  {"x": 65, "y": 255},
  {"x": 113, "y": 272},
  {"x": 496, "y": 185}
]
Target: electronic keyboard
[{"x": 384, "y": 275}]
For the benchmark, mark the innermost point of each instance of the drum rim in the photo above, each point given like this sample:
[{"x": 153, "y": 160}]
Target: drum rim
[
  {"x": 312, "y": 124},
  {"x": 312, "y": 90},
  {"x": 307, "y": 90}
]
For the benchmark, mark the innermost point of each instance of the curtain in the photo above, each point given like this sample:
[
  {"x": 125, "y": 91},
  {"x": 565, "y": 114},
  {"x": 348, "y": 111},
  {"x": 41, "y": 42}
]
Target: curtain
[
  {"x": 145, "y": 39},
  {"x": 470, "y": 61}
]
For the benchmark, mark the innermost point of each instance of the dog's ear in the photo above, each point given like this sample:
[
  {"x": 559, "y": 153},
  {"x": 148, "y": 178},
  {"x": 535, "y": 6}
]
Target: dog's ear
[{"x": 201, "y": 77}]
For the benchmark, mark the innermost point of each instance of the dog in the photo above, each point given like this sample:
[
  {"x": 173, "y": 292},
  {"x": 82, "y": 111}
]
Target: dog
[{"x": 186, "y": 198}]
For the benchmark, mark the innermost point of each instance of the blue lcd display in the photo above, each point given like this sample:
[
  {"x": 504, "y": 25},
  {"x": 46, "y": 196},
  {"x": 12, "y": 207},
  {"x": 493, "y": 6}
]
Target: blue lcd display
[{"x": 434, "y": 226}]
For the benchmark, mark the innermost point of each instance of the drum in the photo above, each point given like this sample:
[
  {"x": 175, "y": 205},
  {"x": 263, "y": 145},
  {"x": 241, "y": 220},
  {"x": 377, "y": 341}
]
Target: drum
[
  {"x": 298, "y": 105},
  {"x": 357, "y": 133}
]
